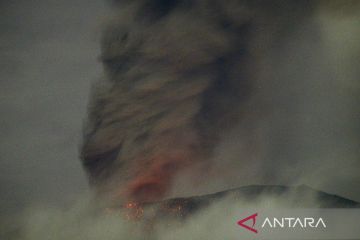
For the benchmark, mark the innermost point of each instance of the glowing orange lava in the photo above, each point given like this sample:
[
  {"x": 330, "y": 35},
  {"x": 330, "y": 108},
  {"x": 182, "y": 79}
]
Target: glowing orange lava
[{"x": 133, "y": 211}]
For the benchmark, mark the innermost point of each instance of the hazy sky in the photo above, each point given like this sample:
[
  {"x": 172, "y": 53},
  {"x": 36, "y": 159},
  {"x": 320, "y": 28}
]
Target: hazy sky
[{"x": 49, "y": 56}]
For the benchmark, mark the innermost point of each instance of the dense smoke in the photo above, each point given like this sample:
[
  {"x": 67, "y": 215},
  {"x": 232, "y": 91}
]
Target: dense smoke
[
  {"x": 302, "y": 121},
  {"x": 216, "y": 221},
  {"x": 178, "y": 76}
]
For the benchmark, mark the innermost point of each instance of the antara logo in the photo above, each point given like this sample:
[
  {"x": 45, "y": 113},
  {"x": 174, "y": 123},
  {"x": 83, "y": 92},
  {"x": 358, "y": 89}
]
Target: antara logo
[
  {"x": 253, "y": 218},
  {"x": 284, "y": 222}
]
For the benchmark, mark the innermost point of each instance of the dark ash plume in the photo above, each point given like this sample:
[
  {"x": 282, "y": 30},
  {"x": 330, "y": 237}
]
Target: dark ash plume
[{"x": 177, "y": 76}]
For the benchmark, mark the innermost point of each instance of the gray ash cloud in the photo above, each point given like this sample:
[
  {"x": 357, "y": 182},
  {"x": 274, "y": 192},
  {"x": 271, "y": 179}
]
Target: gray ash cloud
[{"x": 179, "y": 76}]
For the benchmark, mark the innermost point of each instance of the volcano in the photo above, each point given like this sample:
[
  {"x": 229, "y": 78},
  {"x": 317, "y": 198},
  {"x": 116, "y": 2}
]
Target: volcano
[{"x": 301, "y": 196}]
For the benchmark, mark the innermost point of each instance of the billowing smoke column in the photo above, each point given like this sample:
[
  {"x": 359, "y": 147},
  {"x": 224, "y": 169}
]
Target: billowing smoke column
[{"x": 177, "y": 76}]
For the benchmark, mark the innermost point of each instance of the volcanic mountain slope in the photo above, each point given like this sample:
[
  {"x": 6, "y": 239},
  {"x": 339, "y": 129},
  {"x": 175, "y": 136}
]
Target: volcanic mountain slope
[{"x": 291, "y": 197}]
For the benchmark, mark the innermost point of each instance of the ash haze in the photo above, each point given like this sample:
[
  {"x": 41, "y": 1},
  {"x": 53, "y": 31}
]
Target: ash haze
[
  {"x": 204, "y": 95},
  {"x": 299, "y": 122},
  {"x": 49, "y": 57}
]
